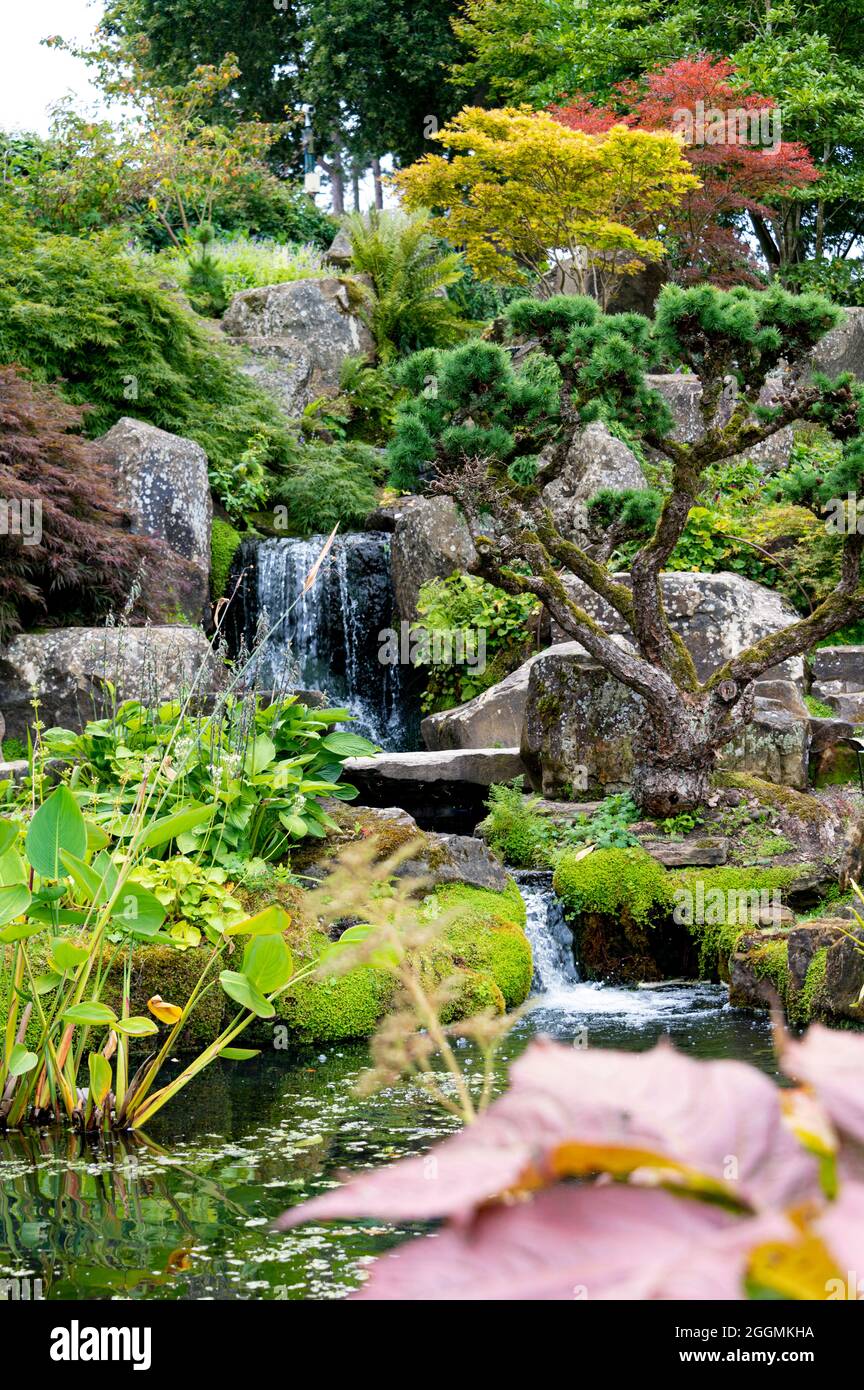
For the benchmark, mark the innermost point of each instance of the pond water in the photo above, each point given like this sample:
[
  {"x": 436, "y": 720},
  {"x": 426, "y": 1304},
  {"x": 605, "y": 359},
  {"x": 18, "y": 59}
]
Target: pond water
[{"x": 188, "y": 1213}]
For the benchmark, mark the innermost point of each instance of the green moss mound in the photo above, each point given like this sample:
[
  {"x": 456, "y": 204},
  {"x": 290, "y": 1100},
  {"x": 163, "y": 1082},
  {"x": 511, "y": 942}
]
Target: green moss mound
[
  {"x": 614, "y": 882},
  {"x": 334, "y": 1008},
  {"x": 486, "y": 936}
]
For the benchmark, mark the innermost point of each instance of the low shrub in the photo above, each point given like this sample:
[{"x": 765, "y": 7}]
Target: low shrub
[
  {"x": 328, "y": 483},
  {"x": 468, "y": 604}
]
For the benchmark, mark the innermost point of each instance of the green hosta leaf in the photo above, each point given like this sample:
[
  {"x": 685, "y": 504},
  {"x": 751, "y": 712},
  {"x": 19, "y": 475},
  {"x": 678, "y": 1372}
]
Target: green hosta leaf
[
  {"x": 21, "y": 1061},
  {"x": 272, "y": 920},
  {"x": 8, "y": 834},
  {"x": 65, "y": 956},
  {"x": 169, "y": 827},
  {"x": 295, "y": 825},
  {"x": 241, "y": 989},
  {"x": 240, "y": 1054},
  {"x": 14, "y": 901},
  {"x": 267, "y": 963},
  {"x": 92, "y": 1013},
  {"x": 58, "y": 825},
  {"x": 345, "y": 791},
  {"x": 260, "y": 754},
  {"x": 349, "y": 745},
  {"x": 136, "y": 1027},
  {"x": 100, "y": 1077}
]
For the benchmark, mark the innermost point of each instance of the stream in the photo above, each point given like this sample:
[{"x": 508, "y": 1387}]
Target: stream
[{"x": 188, "y": 1212}]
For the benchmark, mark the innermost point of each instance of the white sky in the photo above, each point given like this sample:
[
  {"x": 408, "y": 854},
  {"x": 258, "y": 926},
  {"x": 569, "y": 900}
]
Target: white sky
[{"x": 33, "y": 78}]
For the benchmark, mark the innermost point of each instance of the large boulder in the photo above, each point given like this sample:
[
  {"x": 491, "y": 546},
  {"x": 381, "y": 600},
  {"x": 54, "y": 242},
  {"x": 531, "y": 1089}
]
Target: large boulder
[
  {"x": 841, "y": 350},
  {"x": 838, "y": 680},
  {"x": 716, "y": 614},
  {"x": 68, "y": 668},
  {"x": 163, "y": 485},
  {"x": 431, "y": 540},
  {"x": 298, "y": 334},
  {"x": 493, "y": 719},
  {"x": 595, "y": 459},
  {"x": 683, "y": 395},
  {"x": 580, "y": 724}
]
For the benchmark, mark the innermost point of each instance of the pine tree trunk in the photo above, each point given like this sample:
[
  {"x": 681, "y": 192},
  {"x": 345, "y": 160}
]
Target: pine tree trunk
[{"x": 675, "y": 755}]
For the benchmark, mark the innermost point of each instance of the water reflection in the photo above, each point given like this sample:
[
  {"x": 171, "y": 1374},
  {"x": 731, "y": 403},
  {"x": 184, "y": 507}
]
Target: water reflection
[{"x": 187, "y": 1212}]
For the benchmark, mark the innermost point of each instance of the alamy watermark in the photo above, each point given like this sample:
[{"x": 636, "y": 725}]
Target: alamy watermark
[
  {"x": 844, "y": 516},
  {"x": 26, "y": 1290},
  {"x": 22, "y": 516},
  {"x": 718, "y": 906},
  {"x": 740, "y": 125},
  {"x": 415, "y": 645}
]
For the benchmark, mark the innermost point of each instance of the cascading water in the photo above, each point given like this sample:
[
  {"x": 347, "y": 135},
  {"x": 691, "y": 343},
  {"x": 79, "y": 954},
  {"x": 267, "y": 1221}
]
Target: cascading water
[
  {"x": 327, "y": 637},
  {"x": 551, "y": 938},
  {"x": 565, "y": 1006}
]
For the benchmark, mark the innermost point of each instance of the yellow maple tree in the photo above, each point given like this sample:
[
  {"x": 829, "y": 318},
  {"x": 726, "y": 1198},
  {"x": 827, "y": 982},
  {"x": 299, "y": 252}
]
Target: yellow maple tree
[{"x": 522, "y": 193}]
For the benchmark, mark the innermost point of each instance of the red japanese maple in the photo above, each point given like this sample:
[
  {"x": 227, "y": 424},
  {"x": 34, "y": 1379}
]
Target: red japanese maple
[{"x": 742, "y": 171}]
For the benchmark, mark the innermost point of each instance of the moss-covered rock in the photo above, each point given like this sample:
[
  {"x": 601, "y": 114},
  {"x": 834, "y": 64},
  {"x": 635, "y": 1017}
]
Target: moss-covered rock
[
  {"x": 485, "y": 936},
  {"x": 334, "y": 1007}
]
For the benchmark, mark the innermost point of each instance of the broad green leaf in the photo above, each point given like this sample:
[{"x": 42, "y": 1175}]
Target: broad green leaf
[
  {"x": 92, "y": 1013},
  {"x": 86, "y": 879},
  {"x": 96, "y": 837},
  {"x": 346, "y": 745},
  {"x": 58, "y": 825},
  {"x": 14, "y": 901},
  {"x": 136, "y": 1027},
  {"x": 21, "y": 1061},
  {"x": 138, "y": 909},
  {"x": 12, "y": 867},
  {"x": 66, "y": 956},
  {"x": 100, "y": 1077},
  {"x": 295, "y": 825},
  {"x": 273, "y": 920},
  {"x": 240, "y": 1054},
  {"x": 259, "y": 754},
  {"x": 169, "y": 827},
  {"x": 43, "y": 984},
  {"x": 267, "y": 963},
  {"x": 241, "y": 989}
]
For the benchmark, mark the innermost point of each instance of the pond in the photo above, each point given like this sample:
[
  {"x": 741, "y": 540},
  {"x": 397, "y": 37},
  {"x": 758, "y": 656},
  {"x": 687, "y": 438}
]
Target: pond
[{"x": 188, "y": 1212}]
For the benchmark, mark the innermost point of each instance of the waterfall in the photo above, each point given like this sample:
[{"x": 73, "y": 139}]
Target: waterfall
[
  {"x": 550, "y": 937},
  {"x": 608, "y": 1014},
  {"x": 328, "y": 638}
]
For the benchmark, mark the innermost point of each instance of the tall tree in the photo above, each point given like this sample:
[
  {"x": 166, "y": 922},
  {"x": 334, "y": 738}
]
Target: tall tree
[
  {"x": 732, "y": 144},
  {"x": 374, "y": 72}
]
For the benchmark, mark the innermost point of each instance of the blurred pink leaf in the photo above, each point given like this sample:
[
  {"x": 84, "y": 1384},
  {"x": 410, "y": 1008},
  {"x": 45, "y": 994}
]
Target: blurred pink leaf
[
  {"x": 611, "y": 1242},
  {"x": 832, "y": 1062},
  {"x": 842, "y": 1230},
  {"x": 721, "y": 1118}
]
